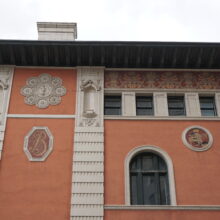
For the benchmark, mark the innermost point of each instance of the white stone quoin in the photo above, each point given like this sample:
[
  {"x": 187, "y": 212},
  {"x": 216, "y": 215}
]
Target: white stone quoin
[{"x": 57, "y": 31}]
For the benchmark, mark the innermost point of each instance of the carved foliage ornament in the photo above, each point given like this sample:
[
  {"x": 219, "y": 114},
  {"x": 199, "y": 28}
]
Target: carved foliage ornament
[
  {"x": 90, "y": 83},
  {"x": 38, "y": 144},
  {"x": 43, "y": 91},
  {"x": 197, "y": 138}
]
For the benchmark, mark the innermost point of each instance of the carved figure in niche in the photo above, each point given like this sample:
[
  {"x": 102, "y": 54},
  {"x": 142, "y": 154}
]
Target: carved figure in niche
[
  {"x": 43, "y": 91},
  {"x": 38, "y": 144},
  {"x": 197, "y": 137}
]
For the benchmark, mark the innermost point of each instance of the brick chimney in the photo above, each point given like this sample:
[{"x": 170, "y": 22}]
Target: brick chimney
[{"x": 57, "y": 31}]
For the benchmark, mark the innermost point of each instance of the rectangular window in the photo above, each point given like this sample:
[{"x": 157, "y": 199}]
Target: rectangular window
[
  {"x": 207, "y": 106},
  {"x": 144, "y": 105},
  {"x": 112, "y": 105},
  {"x": 176, "y": 105}
]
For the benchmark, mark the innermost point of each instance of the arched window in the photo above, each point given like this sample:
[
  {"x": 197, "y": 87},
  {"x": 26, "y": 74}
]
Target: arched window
[
  {"x": 149, "y": 180},
  {"x": 149, "y": 177}
]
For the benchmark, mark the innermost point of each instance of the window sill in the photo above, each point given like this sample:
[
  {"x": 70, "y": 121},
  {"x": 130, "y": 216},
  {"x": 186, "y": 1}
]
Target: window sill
[
  {"x": 162, "y": 207},
  {"x": 179, "y": 118}
]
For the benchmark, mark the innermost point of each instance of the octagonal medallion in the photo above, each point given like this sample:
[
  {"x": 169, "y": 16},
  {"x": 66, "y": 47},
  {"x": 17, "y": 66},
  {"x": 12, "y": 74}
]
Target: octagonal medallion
[{"x": 38, "y": 143}]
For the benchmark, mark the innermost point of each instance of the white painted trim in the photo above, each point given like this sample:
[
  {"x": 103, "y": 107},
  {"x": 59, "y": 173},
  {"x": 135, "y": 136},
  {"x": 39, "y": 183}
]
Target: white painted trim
[
  {"x": 166, "y": 118},
  {"x": 88, "y": 156},
  {"x": 185, "y": 142},
  {"x": 7, "y": 73},
  {"x": 160, "y": 104},
  {"x": 217, "y": 103},
  {"x": 162, "y": 207},
  {"x": 40, "y": 116},
  {"x": 128, "y": 104},
  {"x": 192, "y": 105},
  {"x": 161, "y": 69},
  {"x": 162, "y": 154},
  {"x": 151, "y": 90},
  {"x": 45, "y": 67}
]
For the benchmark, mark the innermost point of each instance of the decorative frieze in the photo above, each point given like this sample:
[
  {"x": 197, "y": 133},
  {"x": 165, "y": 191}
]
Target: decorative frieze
[
  {"x": 43, "y": 91},
  {"x": 6, "y": 77},
  {"x": 88, "y": 160},
  {"x": 162, "y": 80}
]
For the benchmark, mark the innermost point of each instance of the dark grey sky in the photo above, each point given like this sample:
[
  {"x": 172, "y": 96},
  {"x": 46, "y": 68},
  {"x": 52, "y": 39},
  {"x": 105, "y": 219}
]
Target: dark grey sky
[{"x": 129, "y": 20}]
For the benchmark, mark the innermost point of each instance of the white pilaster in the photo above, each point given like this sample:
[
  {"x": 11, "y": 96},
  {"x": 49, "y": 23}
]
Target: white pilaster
[
  {"x": 87, "y": 200},
  {"x": 160, "y": 104},
  {"x": 192, "y": 105},
  {"x": 217, "y": 103},
  {"x": 128, "y": 104},
  {"x": 6, "y": 76}
]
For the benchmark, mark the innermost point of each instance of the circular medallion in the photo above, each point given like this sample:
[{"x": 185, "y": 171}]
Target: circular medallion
[
  {"x": 197, "y": 138},
  {"x": 43, "y": 90}
]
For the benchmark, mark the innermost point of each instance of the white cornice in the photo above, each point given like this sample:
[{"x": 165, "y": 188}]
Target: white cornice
[
  {"x": 162, "y": 207},
  {"x": 40, "y": 116}
]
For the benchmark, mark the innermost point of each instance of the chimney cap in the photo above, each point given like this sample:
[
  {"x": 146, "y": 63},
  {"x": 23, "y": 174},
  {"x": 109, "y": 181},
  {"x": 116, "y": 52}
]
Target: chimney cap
[{"x": 63, "y": 31}]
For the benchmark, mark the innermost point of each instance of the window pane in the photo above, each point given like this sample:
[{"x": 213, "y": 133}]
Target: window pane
[
  {"x": 149, "y": 189},
  {"x": 134, "y": 198},
  {"x": 133, "y": 165},
  {"x": 176, "y": 105},
  {"x": 162, "y": 164},
  {"x": 207, "y": 106},
  {"x": 147, "y": 162},
  {"x": 176, "y": 112},
  {"x": 144, "y": 105},
  {"x": 112, "y": 105},
  {"x": 164, "y": 193},
  {"x": 144, "y": 112},
  {"x": 112, "y": 111},
  {"x": 149, "y": 182},
  {"x": 206, "y": 112}
]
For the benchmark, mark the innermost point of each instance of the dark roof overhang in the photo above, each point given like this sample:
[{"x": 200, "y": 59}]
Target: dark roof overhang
[{"x": 111, "y": 54}]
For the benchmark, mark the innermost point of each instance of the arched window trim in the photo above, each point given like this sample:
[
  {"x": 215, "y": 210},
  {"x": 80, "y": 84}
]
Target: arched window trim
[{"x": 159, "y": 152}]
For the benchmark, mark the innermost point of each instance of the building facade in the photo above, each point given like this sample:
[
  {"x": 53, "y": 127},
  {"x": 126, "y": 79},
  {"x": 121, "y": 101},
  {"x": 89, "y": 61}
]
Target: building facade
[{"x": 108, "y": 130}]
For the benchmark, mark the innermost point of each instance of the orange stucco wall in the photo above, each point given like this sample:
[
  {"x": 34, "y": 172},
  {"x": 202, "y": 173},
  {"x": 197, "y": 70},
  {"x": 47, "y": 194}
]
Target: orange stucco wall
[
  {"x": 67, "y": 105},
  {"x": 197, "y": 174},
  {"x": 36, "y": 190},
  {"x": 161, "y": 215}
]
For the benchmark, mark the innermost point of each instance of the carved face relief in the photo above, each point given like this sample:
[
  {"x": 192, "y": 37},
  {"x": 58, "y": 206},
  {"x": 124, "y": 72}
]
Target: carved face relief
[
  {"x": 197, "y": 138},
  {"x": 38, "y": 144},
  {"x": 43, "y": 91}
]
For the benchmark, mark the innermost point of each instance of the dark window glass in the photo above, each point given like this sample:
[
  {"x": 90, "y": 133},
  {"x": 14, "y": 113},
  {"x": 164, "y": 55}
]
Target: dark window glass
[
  {"x": 176, "y": 105},
  {"x": 149, "y": 180},
  {"x": 207, "y": 106},
  {"x": 144, "y": 105},
  {"x": 112, "y": 105}
]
